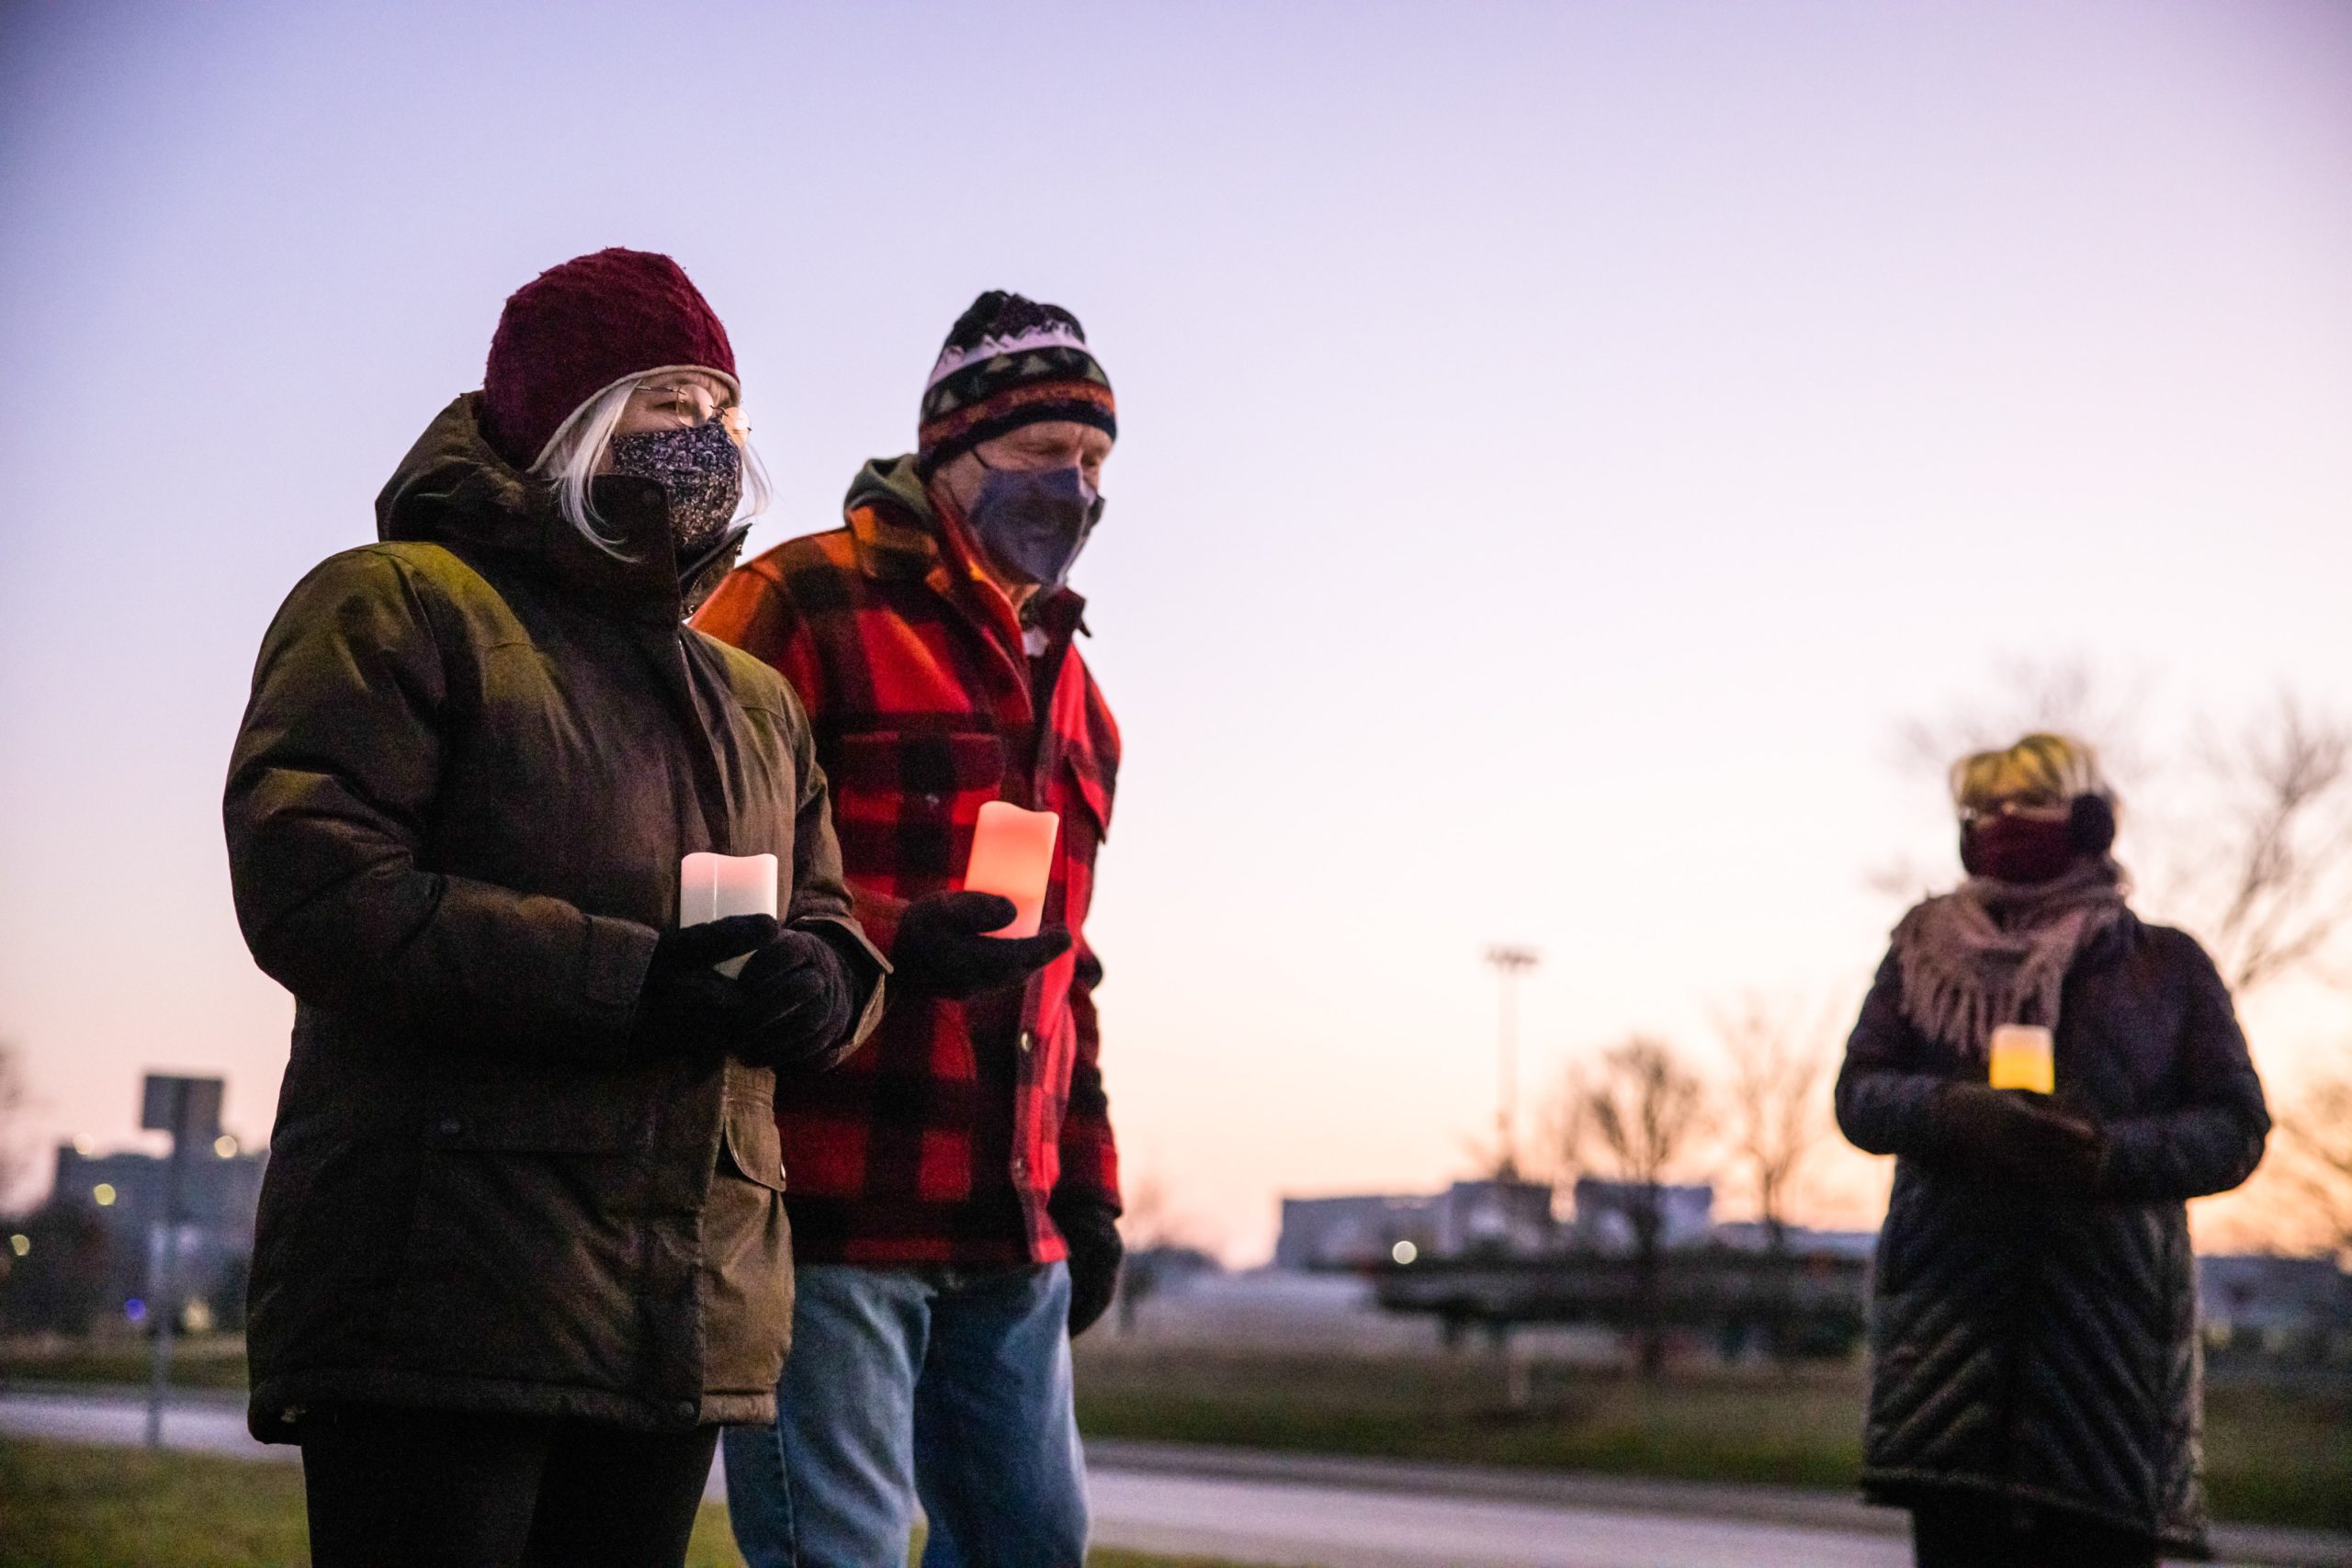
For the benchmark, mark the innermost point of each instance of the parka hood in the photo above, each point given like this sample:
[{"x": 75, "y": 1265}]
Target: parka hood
[
  {"x": 889, "y": 514},
  {"x": 892, "y": 481},
  {"x": 454, "y": 488}
]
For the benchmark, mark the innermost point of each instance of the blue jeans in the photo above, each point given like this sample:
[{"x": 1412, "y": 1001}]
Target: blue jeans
[{"x": 953, "y": 1384}]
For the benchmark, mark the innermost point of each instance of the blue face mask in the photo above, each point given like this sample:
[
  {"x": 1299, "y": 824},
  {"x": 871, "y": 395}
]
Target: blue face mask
[{"x": 1032, "y": 522}]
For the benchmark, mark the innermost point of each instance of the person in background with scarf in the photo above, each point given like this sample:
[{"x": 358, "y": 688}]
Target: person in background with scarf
[
  {"x": 955, "y": 1188},
  {"x": 2036, "y": 1382}
]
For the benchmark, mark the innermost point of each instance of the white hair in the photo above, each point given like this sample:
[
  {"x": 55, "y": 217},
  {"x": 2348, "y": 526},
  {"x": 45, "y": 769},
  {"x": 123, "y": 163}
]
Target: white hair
[{"x": 569, "y": 459}]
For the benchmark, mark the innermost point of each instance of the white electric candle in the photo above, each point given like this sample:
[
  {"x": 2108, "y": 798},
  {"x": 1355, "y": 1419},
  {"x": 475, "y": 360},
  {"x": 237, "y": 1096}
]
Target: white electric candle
[
  {"x": 1012, "y": 856},
  {"x": 713, "y": 887}
]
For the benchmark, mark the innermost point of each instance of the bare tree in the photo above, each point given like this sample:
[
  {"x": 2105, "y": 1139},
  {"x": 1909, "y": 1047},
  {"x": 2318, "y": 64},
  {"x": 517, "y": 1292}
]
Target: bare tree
[
  {"x": 12, "y": 1106},
  {"x": 2070, "y": 696},
  {"x": 2318, "y": 1150},
  {"x": 2255, "y": 829},
  {"x": 1630, "y": 1119},
  {"x": 2279, "y": 869},
  {"x": 2277, "y": 877},
  {"x": 1780, "y": 1058},
  {"x": 1155, "y": 1235}
]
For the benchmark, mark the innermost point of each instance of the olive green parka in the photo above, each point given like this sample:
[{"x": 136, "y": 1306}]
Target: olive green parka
[{"x": 474, "y": 755}]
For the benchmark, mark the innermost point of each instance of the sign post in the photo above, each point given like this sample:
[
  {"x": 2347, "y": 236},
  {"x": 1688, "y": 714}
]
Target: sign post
[{"x": 186, "y": 1109}]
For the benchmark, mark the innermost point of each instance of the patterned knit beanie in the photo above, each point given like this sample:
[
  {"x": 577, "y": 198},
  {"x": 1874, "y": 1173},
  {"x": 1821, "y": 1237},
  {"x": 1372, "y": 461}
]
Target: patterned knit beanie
[
  {"x": 1009, "y": 362},
  {"x": 579, "y": 328}
]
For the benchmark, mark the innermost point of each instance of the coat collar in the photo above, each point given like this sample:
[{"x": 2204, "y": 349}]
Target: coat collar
[
  {"x": 897, "y": 531},
  {"x": 454, "y": 488}
]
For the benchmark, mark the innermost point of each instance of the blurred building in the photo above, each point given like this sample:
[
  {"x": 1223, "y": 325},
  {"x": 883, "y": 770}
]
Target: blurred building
[
  {"x": 1494, "y": 1219},
  {"x": 219, "y": 1188},
  {"x": 1753, "y": 1235},
  {"x": 1516, "y": 1220},
  {"x": 2298, "y": 1308},
  {"x": 1469, "y": 1219},
  {"x": 1353, "y": 1232},
  {"x": 1606, "y": 1212}
]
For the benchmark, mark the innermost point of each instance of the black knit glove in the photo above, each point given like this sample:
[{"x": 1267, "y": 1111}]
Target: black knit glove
[
  {"x": 800, "y": 1002},
  {"x": 2017, "y": 1135},
  {"x": 1090, "y": 1223},
  {"x": 686, "y": 1004},
  {"x": 942, "y": 948}
]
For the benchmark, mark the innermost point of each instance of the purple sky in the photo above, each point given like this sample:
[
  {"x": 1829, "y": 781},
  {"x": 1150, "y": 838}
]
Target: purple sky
[{"x": 1562, "y": 442}]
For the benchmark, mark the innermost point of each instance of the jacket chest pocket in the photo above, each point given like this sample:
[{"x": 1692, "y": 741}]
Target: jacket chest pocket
[
  {"x": 1083, "y": 797},
  {"x": 905, "y": 802}
]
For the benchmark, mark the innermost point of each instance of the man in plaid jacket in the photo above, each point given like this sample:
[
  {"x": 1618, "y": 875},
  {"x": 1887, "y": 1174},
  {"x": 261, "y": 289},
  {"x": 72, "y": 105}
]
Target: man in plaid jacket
[{"x": 954, "y": 1188}]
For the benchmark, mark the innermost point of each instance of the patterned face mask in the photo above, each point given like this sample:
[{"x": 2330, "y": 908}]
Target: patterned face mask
[{"x": 700, "y": 469}]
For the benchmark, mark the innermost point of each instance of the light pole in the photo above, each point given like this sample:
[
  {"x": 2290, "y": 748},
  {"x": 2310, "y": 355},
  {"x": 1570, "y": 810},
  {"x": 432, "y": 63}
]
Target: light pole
[{"x": 1509, "y": 962}]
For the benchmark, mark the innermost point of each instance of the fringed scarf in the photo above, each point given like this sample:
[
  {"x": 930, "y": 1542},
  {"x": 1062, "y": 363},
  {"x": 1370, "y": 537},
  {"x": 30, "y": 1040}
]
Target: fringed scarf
[{"x": 1992, "y": 953}]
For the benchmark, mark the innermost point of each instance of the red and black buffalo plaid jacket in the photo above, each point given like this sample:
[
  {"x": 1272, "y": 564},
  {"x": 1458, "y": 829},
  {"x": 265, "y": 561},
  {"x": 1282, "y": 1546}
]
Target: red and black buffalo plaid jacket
[{"x": 942, "y": 1140}]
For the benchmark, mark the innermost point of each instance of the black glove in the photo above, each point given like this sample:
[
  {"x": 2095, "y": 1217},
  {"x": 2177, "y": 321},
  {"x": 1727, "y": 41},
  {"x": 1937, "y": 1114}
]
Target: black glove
[
  {"x": 800, "y": 1002},
  {"x": 1090, "y": 1223},
  {"x": 686, "y": 1003},
  {"x": 2018, "y": 1135},
  {"x": 941, "y": 949}
]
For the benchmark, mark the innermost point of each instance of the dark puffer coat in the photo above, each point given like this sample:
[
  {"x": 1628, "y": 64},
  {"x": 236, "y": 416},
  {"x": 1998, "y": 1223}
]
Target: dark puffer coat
[
  {"x": 474, "y": 755},
  {"x": 2038, "y": 1346}
]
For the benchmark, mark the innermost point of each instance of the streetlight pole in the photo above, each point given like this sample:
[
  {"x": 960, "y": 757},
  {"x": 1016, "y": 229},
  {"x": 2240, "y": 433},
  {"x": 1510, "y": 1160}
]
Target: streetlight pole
[
  {"x": 186, "y": 1109},
  {"x": 159, "y": 1297},
  {"x": 1509, "y": 962}
]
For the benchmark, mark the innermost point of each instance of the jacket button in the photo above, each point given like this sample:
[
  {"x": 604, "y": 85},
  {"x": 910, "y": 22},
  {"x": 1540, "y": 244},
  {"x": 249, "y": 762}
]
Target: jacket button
[
  {"x": 450, "y": 1127},
  {"x": 1020, "y": 1168},
  {"x": 1028, "y": 1041},
  {"x": 931, "y": 798},
  {"x": 686, "y": 1410}
]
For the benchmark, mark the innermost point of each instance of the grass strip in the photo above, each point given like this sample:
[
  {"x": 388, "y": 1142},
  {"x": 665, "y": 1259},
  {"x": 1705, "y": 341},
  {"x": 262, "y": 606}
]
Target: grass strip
[
  {"x": 2273, "y": 1455},
  {"x": 70, "y": 1505}
]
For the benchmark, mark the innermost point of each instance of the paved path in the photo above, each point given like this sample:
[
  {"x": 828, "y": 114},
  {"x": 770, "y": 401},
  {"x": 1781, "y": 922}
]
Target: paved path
[
  {"x": 1272, "y": 1522},
  {"x": 1339, "y": 1511},
  {"x": 1327, "y": 1511},
  {"x": 207, "y": 1423}
]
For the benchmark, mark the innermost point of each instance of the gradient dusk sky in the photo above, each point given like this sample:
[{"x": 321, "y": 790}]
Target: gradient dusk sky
[{"x": 1562, "y": 443}]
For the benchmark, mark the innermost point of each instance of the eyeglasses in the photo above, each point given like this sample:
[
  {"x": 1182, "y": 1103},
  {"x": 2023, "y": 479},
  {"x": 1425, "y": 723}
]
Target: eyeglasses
[
  {"x": 2031, "y": 810},
  {"x": 688, "y": 403}
]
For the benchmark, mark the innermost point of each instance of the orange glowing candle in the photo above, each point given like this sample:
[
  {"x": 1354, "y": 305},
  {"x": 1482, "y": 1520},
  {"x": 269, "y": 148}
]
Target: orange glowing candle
[
  {"x": 1012, "y": 856},
  {"x": 713, "y": 887},
  {"x": 2022, "y": 1058}
]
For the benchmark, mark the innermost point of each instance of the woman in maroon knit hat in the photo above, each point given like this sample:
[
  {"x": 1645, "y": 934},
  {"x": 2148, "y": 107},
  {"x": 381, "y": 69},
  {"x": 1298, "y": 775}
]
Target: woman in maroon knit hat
[{"x": 521, "y": 1248}]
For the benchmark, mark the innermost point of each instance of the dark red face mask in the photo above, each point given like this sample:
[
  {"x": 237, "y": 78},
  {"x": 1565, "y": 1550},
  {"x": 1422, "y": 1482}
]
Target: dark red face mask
[{"x": 2017, "y": 848}]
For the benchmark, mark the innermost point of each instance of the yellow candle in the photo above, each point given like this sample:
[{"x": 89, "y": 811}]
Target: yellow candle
[
  {"x": 1012, "y": 856},
  {"x": 2022, "y": 1058}
]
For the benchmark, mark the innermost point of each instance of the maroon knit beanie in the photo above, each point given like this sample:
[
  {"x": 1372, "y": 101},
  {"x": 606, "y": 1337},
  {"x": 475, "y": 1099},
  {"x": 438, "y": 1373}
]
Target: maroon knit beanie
[{"x": 576, "y": 329}]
